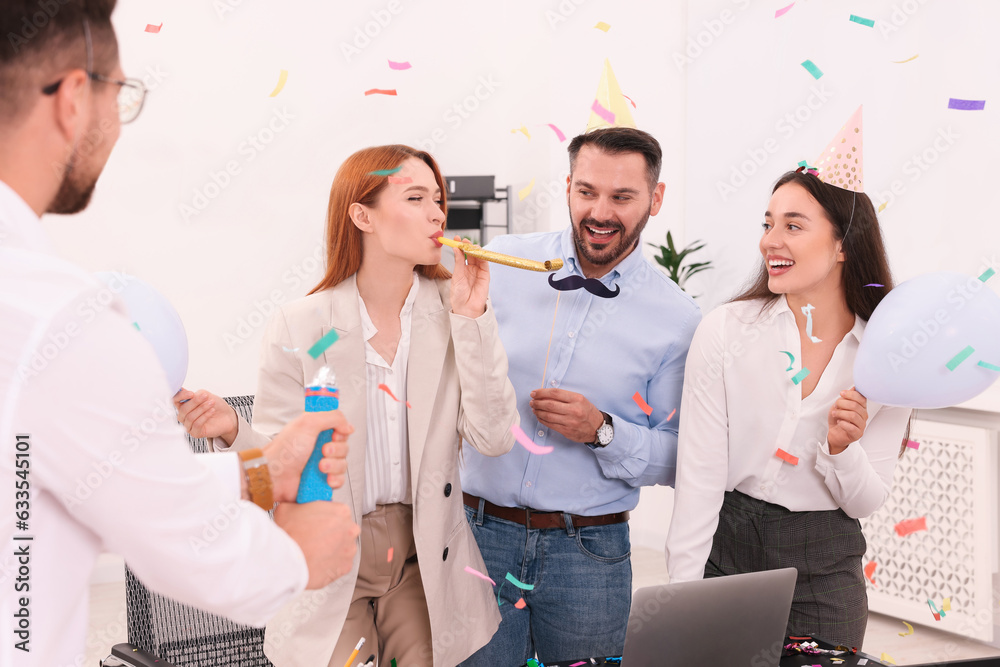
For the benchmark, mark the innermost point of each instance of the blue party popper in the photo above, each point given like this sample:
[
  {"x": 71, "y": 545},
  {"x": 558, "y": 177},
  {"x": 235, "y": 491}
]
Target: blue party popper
[{"x": 321, "y": 396}]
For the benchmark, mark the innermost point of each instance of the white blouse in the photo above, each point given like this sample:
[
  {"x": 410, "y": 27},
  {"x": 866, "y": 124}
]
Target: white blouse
[
  {"x": 387, "y": 452},
  {"x": 740, "y": 405}
]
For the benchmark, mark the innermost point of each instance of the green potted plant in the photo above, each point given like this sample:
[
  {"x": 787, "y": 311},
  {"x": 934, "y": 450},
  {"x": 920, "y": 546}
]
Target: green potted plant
[{"x": 673, "y": 261}]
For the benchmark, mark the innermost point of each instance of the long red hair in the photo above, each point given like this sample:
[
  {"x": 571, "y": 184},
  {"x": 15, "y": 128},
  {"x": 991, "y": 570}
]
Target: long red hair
[{"x": 354, "y": 183}]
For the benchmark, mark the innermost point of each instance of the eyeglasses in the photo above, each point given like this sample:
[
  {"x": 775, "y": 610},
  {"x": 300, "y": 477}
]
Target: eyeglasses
[{"x": 131, "y": 93}]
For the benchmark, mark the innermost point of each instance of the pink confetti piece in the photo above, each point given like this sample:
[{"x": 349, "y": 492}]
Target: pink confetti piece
[
  {"x": 520, "y": 604},
  {"x": 389, "y": 557},
  {"x": 785, "y": 456},
  {"x": 637, "y": 397},
  {"x": 630, "y": 100},
  {"x": 381, "y": 91},
  {"x": 602, "y": 112},
  {"x": 153, "y": 28},
  {"x": 408, "y": 405},
  {"x": 784, "y": 10},
  {"x": 672, "y": 413},
  {"x": 559, "y": 135},
  {"x": 479, "y": 574},
  {"x": 400, "y": 179},
  {"x": 577, "y": 664},
  {"x": 912, "y": 444},
  {"x": 874, "y": 285},
  {"x": 526, "y": 442},
  {"x": 402, "y": 65},
  {"x": 908, "y": 526}
]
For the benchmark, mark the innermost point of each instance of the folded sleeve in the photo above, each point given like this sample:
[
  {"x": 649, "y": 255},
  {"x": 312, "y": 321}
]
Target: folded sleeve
[
  {"x": 860, "y": 477},
  {"x": 177, "y": 519}
]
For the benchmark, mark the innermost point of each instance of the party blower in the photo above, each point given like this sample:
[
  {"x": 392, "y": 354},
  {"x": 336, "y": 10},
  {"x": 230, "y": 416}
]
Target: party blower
[
  {"x": 499, "y": 258},
  {"x": 321, "y": 396}
]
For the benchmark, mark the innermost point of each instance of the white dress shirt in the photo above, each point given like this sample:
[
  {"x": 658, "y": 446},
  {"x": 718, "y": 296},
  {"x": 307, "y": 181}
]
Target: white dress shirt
[
  {"x": 109, "y": 467},
  {"x": 387, "y": 454},
  {"x": 739, "y": 406}
]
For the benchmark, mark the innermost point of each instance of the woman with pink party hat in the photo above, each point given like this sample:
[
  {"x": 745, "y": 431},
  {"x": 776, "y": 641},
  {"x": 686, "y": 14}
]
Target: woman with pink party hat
[{"x": 779, "y": 456}]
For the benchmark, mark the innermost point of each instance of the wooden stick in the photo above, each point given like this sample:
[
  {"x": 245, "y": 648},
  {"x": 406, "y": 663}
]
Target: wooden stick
[{"x": 546, "y": 369}]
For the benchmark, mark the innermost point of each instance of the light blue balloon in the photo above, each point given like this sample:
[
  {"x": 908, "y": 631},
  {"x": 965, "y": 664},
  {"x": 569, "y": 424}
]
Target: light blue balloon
[
  {"x": 157, "y": 321},
  {"x": 917, "y": 329}
]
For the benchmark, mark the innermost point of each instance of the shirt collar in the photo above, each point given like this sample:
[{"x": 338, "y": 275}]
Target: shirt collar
[
  {"x": 19, "y": 226},
  {"x": 626, "y": 267},
  {"x": 368, "y": 327}
]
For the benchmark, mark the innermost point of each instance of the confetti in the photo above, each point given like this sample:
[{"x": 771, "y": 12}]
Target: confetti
[
  {"x": 672, "y": 413},
  {"x": 937, "y": 614},
  {"x": 966, "y": 105},
  {"x": 807, "y": 310},
  {"x": 559, "y": 135},
  {"x": 602, "y": 112},
  {"x": 153, "y": 28},
  {"x": 479, "y": 574},
  {"x": 913, "y": 444},
  {"x": 136, "y": 325},
  {"x": 520, "y": 604},
  {"x": 524, "y": 587},
  {"x": 800, "y": 376},
  {"x": 521, "y": 194},
  {"x": 601, "y": 25},
  {"x": 870, "y": 571},
  {"x": 960, "y": 357},
  {"x": 289, "y": 349},
  {"x": 909, "y": 629},
  {"x": 946, "y": 604},
  {"x": 812, "y": 69},
  {"x": 393, "y": 663},
  {"x": 908, "y": 526},
  {"x": 987, "y": 274},
  {"x": 319, "y": 347},
  {"x": 887, "y": 658},
  {"x": 389, "y": 556},
  {"x": 282, "y": 78},
  {"x": 785, "y": 456},
  {"x": 988, "y": 366},
  {"x": 863, "y": 21},
  {"x": 791, "y": 359},
  {"x": 784, "y": 10},
  {"x": 900, "y": 62},
  {"x": 402, "y": 65},
  {"x": 863, "y": 661},
  {"x": 380, "y": 91},
  {"x": 630, "y": 100},
  {"x": 523, "y": 130},
  {"x": 637, "y": 397},
  {"x": 881, "y": 207},
  {"x": 577, "y": 664},
  {"x": 400, "y": 180},
  {"x": 874, "y": 285},
  {"x": 526, "y": 442},
  {"x": 385, "y": 172}
]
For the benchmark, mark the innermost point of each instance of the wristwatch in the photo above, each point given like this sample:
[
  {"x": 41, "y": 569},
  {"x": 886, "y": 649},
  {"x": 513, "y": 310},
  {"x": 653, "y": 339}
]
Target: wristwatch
[
  {"x": 258, "y": 478},
  {"x": 605, "y": 434}
]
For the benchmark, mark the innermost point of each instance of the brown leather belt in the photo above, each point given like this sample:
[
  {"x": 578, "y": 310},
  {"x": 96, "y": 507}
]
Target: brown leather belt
[{"x": 530, "y": 518}]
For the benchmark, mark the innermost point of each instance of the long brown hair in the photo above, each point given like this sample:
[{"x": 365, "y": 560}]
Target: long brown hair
[
  {"x": 865, "y": 260},
  {"x": 354, "y": 183}
]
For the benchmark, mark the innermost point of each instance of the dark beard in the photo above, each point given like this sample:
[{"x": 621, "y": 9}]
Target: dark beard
[
  {"x": 71, "y": 197},
  {"x": 625, "y": 244}
]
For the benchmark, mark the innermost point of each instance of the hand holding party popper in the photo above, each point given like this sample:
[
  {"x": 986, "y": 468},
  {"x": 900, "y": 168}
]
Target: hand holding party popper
[{"x": 498, "y": 258}]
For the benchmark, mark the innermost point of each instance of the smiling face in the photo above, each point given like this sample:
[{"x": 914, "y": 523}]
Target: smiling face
[
  {"x": 406, "y": 218},
  {"x": 609, "y": 203},
  {"x": 798, "y": 244}
]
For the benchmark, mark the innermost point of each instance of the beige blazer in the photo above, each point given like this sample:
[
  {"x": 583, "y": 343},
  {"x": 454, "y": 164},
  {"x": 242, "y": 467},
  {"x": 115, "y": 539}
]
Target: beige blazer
[{"x": 457, "y": 383}]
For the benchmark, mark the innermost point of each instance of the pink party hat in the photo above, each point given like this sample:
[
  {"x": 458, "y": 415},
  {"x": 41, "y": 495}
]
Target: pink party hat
[
  {"x": 609, "y": 108},
  {"x": 840, "y": 164}
]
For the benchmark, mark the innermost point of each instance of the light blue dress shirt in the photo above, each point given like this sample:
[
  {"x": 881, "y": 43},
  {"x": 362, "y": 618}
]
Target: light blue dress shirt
[{"x": 605, "y": 349}]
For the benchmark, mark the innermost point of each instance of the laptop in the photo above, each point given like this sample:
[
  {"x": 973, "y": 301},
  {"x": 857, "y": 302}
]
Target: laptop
[{"x": 734, "y": 620}]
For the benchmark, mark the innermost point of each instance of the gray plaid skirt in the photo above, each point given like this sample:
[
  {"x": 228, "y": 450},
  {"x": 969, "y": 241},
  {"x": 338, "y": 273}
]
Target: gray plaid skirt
[{"x": 826, "y": 547}]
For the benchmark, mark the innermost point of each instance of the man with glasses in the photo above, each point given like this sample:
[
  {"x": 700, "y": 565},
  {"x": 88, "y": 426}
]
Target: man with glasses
[{"x": 66, "y": 425}]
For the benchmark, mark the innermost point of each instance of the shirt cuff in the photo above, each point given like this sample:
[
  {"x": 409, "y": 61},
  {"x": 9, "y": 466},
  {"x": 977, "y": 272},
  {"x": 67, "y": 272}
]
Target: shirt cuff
[
  {"x": 226, "y": 468},
  {"x": 846, "y": 460}
]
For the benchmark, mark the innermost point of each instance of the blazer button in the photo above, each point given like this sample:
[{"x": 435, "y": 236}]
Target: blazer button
[
  {"x": 447, "y": 490},
  {"x": 445, "y": 556}
]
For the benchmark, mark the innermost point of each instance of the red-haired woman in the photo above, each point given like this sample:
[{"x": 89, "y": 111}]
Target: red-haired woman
[{"x": 403, "y": 323}]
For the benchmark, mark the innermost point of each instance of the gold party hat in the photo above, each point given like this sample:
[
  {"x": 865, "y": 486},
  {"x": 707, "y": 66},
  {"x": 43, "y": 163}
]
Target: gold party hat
[
  {"x": 840, "y": 164},
  {"x": 609, "y": 108}
]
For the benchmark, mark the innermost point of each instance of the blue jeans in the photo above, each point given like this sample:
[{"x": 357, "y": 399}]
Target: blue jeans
[{"x": 582, "y": 592}]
